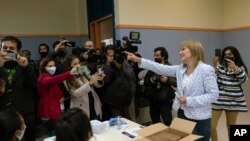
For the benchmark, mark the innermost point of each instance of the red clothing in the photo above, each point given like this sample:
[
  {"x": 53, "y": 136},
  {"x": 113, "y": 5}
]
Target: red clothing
[{"x": 50, "y": 94}]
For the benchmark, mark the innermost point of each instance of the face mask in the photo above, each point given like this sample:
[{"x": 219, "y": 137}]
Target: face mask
[
  {"x": 51, "y": 70},
  {"x": 230, "y": 58},
  {"x": 22, "y": 131},
  {"x": 158, "y": 60},
  {"x": 43, "y": 54}
]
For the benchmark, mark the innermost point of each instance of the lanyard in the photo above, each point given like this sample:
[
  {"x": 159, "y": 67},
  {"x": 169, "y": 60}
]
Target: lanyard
[{"x": 10, "y": 73}]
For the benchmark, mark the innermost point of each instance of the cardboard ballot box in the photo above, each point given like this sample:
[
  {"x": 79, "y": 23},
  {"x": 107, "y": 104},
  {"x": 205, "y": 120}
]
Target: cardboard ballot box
[{"x": 179, "y": 130}]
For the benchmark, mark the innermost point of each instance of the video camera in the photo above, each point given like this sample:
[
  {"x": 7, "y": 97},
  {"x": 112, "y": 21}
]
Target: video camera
[
  {"x": 157, "y": 79},
  {"x": 90, "y": 51},
  {"x": 134, "y": 38}
]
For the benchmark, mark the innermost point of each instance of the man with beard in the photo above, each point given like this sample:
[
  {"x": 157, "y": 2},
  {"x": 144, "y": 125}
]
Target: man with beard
[
  {"x": 20, "y": 81},
  {"x": 159, "y": 91},
  {"x": 43, "y": 50}
]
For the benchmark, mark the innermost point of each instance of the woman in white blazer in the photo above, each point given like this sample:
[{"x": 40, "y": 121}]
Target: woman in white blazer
[{"x": 196, "y": 85}]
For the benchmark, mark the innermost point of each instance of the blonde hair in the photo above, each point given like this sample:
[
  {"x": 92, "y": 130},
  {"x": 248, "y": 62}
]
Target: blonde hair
[{"x": 196, "y": 49}]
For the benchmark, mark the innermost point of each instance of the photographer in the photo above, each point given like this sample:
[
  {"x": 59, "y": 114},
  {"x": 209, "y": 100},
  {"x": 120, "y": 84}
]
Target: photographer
[
  {"x": 118, "y": 87},
  {"x": 159, "y": 91},
  {"x": 20, "y": 81},
  {"x": 58, "y": 54},
  {"x": 231, "y": 74},
  {"x": 83, "y": 52}
]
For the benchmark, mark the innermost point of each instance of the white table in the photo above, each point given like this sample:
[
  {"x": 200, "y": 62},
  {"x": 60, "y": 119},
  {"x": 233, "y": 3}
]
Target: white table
[{"x": 112, "y": 134}]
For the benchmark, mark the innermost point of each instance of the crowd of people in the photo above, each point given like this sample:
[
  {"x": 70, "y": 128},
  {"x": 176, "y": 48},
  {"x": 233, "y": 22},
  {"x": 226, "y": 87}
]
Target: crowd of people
[{"x": 63, "y": 91}]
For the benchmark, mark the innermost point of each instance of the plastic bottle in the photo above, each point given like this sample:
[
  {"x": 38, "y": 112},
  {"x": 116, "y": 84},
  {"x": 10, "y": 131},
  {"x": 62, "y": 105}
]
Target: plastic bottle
[{"x": 118, "y": 123}]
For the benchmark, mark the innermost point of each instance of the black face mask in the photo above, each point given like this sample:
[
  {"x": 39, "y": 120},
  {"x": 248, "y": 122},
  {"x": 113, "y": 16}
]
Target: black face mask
[
  {"x": 61, "y": 53},
  {"x": 10, "y": 64},
  {"x": 230, "y": 58},
  {"x": 43, "y": 54}
]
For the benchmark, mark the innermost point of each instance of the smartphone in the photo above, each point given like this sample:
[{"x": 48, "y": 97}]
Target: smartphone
[
  {"x": 11, "y": 55},
  {"x": 70, "y": 44},
  {"x": 218, "y": 52},
  {"x": 99, "y": 69},
  {"x": 82, "y": 69}
]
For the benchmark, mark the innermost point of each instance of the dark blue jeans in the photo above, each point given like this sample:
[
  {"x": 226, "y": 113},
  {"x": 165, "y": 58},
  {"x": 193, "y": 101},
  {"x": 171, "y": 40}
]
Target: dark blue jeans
[
  {"x": 161, "y": 110},
  {"x": 203, "y": 127}
]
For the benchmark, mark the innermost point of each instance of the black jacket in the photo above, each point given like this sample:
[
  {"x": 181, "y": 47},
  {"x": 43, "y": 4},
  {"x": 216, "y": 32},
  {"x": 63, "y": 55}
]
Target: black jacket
[
  {"x": 20, "y": 92},
  {"x": 158, "y": 91}
]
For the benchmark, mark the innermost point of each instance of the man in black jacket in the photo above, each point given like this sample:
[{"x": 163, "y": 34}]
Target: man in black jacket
[
  {"x": 159, "y": 91},
  {"x": 20, "y": 84}
]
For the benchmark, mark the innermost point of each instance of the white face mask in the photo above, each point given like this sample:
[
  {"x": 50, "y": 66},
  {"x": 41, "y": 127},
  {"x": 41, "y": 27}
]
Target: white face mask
[
  {"x": 51, "y": 70},
  {"x": 20, "y": 135}
]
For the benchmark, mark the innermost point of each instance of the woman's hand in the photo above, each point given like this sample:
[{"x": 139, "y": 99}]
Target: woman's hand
[
  {"x": 96, "y": 77},
  {"x": 132, "y": 57},
  {"x": 231, "y": 65},
  {"x": 216, "y": 61},
  {"x": 73, "y": 71},
  {"x": 182, "y": 99}
]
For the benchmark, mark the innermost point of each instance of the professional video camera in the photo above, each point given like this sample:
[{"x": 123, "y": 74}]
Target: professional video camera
[
  {"x": 128, "y": 45},
  {"x": 134, "y": 38}
]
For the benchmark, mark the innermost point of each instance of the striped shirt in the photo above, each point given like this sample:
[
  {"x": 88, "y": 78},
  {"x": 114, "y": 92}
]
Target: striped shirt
[{"x": 231, "y": 96}]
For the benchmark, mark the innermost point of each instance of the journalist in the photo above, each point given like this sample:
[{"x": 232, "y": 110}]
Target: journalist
[{"x": 158, "y": 90}]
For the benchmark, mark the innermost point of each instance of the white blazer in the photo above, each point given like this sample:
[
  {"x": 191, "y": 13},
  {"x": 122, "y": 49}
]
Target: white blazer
[{"x": 201, "y": 93}]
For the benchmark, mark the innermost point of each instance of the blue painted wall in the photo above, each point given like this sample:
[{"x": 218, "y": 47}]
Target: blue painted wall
[
  {"x": 241, "y": 40},
  {"x": 171, "y": 39},
  {"x": 32, "y": 43}
]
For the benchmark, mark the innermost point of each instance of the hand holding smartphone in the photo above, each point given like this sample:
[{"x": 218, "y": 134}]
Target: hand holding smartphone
[
  {"x": 99, "y": 69},
  {"x": 218, "y": 53},
  {"x": 82, "y": 69}
]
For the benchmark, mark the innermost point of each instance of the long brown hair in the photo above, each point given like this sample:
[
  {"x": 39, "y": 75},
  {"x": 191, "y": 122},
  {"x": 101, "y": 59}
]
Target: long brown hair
[{"x": 72, "y": 82}]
